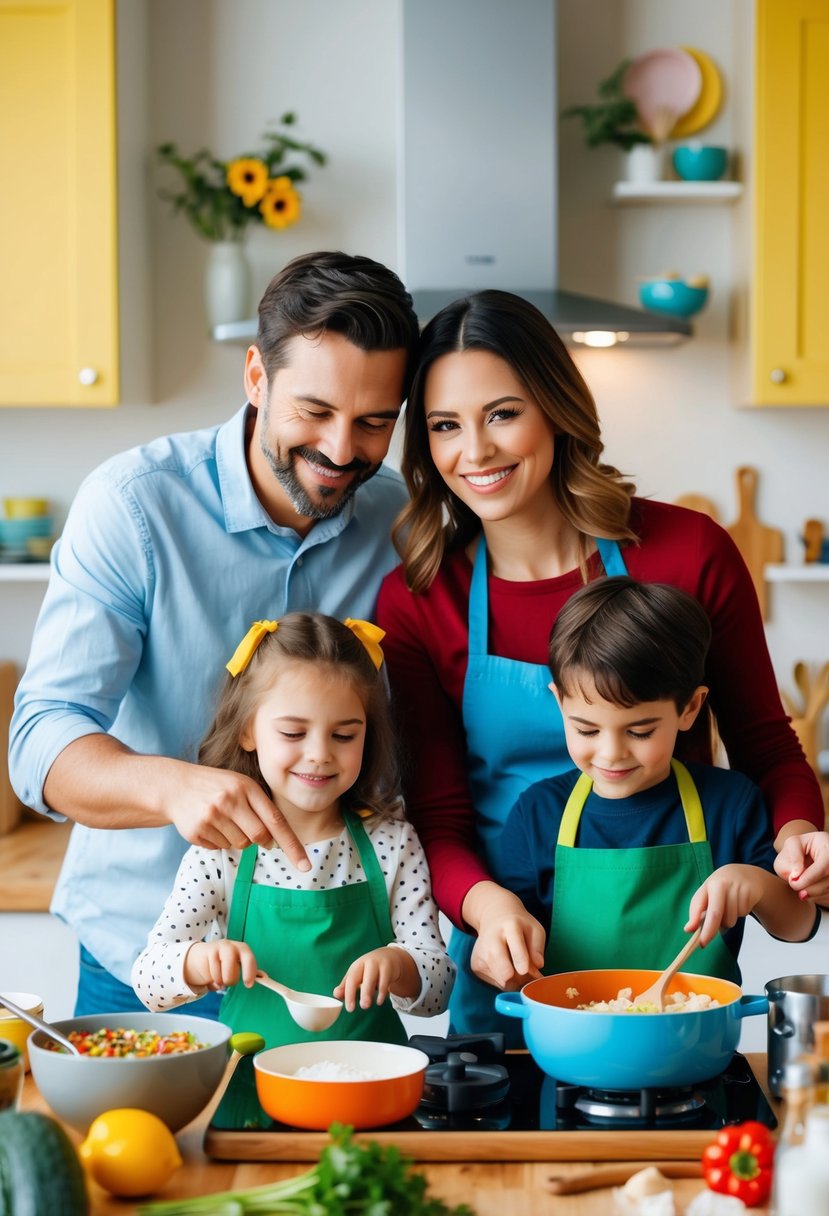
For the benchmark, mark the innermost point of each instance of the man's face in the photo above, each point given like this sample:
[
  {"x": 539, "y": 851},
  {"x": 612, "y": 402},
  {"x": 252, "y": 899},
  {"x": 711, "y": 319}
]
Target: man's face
[{"x": 323, "y": 425}]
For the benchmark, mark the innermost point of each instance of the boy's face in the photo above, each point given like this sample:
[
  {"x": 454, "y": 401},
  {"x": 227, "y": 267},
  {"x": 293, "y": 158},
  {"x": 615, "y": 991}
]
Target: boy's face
[{"x": 623, "y": 750}]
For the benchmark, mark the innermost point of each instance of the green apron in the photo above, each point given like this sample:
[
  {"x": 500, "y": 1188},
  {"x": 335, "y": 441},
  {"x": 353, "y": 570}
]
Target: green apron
[
  {"x": 308, "y": 940},
  {"x": 627, "y": 907}
]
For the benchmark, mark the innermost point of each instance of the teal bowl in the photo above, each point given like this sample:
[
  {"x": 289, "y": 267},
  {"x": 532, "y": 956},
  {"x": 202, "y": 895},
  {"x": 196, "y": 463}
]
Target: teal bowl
[
  {"x": 15, "y": 532},
  {"x": 672, "y": 296},
  {"x": 700, "y": 162}
]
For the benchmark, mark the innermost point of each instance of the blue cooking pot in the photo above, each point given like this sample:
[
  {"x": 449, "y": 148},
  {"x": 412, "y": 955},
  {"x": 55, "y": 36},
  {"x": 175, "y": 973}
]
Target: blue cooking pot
[{"x": 627, "y": 1050}]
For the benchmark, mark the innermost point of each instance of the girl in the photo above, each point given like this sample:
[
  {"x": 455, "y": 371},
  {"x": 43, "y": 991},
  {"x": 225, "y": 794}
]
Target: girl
[
  {"x": 512, "y": 510},
  {"x": 305, "y": 713}
]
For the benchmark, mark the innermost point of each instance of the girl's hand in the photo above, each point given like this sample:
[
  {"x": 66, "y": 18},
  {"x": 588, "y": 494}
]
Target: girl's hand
[
  {"x": 219, "y": 964},
  {"x": 375, "y": 975},
  {"x": 730, "y": 893},
  {"x": 510, "y": 946},
  {"x": 803, "y": 861}
]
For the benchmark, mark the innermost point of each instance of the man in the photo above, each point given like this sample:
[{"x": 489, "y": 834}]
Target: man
[{"x": 170, "y": 551}]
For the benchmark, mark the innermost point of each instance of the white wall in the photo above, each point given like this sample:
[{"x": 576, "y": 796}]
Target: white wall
[{"x": 215, "y": 72}]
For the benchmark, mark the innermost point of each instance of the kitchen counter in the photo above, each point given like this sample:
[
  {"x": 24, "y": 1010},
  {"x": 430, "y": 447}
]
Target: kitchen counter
[
  {"x": 491, "y": 1189},
  {"x": 31, "y": 857}
]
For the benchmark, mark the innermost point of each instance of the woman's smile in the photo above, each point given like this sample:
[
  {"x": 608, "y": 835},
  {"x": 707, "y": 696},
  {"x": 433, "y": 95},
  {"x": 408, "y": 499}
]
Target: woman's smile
[{"x": 490, "y": 480}]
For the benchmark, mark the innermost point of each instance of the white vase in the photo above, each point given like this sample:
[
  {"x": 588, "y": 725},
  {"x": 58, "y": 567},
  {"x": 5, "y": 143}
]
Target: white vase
[
  {"x": 227, "y": 283},
  {"x": 644, "y": 163}
]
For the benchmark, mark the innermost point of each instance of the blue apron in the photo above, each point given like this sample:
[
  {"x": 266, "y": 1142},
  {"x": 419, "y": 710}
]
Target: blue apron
[{"x": 514, "y": 736}]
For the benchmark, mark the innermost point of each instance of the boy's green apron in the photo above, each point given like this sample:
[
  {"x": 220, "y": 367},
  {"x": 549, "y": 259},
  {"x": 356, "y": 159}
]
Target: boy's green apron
[
  {"x": 627, "y": 907},
  {"x": 514, "y": 736},
  {"x": 308, "y": 940}
]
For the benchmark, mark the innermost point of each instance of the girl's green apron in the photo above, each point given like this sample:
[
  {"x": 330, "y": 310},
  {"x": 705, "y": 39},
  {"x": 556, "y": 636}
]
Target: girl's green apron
[
  {"x": 514, "y": 736},
  {"x": 308, "y": 940},
  {"x": 627, "y": 907}
]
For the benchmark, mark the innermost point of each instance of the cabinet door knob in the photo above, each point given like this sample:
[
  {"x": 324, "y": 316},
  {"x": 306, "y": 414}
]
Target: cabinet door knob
[
  {"x": 88, "y": 375},
  {"x": 777, "y": 375}
]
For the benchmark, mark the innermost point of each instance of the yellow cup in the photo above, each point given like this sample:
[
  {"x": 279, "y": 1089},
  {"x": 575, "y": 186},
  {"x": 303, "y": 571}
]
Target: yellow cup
[
  {"x": 25, "y": 508},
  {"x": 14, "y": 1028}
]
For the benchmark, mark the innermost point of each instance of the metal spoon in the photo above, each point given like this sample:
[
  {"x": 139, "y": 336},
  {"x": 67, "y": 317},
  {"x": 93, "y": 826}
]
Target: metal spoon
[
  {"x": 655, "y": 995},
  {"x": 39, "y": 1024},
  {"x": 310, "y": 1011}
]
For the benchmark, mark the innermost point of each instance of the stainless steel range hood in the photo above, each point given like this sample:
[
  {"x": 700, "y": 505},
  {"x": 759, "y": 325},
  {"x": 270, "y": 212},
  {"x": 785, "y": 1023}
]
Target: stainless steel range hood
[{"x": 478, "y": 184}]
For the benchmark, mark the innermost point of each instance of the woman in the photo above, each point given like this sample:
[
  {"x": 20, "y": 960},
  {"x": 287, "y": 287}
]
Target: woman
[{"x": 511, "y": 512}]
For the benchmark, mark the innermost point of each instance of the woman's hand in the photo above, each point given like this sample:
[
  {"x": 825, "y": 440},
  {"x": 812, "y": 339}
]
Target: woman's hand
[
  {"x": 219, "y": 964},
  {"x": 376, "y": 974},
  {"x": 803, "y": 861},
  {"x": 510, "y": 946}
]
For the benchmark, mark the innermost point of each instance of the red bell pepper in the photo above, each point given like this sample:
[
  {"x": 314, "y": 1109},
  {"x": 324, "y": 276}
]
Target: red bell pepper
[{"x": 739, "y": 1162}]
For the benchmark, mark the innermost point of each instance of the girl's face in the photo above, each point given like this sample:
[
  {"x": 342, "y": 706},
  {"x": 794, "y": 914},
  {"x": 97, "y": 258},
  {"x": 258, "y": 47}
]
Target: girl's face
[
  {"x": 308, "y": 732},
  {"x": 490, "y": 441},
  {"x": 624, "y": 750}
]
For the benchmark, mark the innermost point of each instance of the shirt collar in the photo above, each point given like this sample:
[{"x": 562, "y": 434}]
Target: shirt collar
[{"x": 242, "y": 508}]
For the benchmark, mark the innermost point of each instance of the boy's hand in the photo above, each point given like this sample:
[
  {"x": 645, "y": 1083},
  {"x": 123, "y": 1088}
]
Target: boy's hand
[
  {"x": 730, "y": 893},
  {"x": 219, "y": 964},
  {"x": 510, "y": 946},
  {"x": 375, "y": 975}
]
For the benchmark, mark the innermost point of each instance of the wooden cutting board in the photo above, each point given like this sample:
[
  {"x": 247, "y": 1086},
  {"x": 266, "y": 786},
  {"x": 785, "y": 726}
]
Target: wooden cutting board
[
  {"x": 697, "y": 502},
  {"x": 758, "y": 543}
]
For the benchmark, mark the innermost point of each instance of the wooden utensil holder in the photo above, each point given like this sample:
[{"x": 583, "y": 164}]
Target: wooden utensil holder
[{"x": 10, "y": 805}]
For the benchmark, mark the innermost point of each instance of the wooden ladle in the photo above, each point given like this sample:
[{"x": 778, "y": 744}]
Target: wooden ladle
[
  {"x": 310, "y": 1011},
  {"x": 655, "y": 995}
]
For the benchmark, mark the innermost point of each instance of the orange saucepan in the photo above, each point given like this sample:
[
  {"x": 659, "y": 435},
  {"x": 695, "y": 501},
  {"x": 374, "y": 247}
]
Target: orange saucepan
[
  {"x": 360, "y": 1083},
  {"x": 628, "y": 1050}
]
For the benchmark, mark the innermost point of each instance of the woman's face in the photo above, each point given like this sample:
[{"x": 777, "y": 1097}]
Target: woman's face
[{"x": 490, "y": 441}]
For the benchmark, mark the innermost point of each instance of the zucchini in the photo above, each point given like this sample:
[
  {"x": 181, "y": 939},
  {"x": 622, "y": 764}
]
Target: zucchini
[{"x": 40, "y": 1174}]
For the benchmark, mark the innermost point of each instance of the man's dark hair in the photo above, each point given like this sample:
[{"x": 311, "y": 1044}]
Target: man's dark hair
[
  {"x": 636, "y": 641},
  {"x": 337, "y": 293}
]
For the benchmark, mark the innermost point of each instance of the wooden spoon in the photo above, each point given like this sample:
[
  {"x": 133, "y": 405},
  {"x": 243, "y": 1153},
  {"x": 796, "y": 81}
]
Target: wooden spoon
[
  {"x": 310, "y": 1011},
  {"x": 655, "y": 995}
]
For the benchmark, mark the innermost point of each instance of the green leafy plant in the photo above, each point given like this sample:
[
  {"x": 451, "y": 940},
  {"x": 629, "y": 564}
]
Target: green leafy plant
[
  {"x": 220, "y": 198},
  {"x": 363, "y": 1179},
  {"x": 613, "y": 119}
]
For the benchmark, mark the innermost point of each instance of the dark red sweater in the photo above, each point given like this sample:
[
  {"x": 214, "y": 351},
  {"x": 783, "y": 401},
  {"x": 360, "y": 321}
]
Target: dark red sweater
[{"x": 426, "y": 652}]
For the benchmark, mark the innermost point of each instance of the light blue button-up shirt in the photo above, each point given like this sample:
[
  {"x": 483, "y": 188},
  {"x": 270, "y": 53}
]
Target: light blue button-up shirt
[{"x": 166, "y": 558}]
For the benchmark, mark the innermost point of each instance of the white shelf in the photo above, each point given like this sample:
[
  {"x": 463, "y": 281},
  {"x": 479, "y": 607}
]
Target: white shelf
[
  {"x": 815, "y": 572},
  {"x": 633, "y": 193},
  {"x": 24, "y": 572}
]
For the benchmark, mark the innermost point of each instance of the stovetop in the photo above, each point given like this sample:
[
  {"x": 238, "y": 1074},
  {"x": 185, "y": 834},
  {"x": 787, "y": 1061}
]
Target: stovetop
[{"x": 522, "y": 1113}]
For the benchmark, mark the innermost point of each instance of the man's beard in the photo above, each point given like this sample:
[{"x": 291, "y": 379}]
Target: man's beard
[{"x": 284, "y": 470}]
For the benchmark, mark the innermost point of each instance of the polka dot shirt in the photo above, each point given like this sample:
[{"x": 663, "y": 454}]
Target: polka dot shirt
[{"x": 197, "y": 909}]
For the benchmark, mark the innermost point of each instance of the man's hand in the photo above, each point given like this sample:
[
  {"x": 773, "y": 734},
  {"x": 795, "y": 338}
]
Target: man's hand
[
  {"x": 375, "y": 975},
  {"x": 510, "y": 947},
  {"x": 219, "y": 964}
]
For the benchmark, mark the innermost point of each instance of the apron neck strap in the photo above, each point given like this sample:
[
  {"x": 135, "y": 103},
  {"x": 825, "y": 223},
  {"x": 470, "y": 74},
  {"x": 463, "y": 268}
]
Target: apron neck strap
[
  {"x": 691, "y": 806},
  {"x": 479, "y": 602}
]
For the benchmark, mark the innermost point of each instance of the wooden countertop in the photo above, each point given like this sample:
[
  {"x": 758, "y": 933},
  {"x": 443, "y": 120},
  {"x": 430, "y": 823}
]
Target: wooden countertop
[
  {"x": 491, "y": 1189},
  {"x": 30, "y": 858}
]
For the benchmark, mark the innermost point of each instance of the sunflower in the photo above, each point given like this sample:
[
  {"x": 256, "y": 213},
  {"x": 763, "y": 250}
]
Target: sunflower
[
  {"x": 247, "y": 176},
  {"x": 281, "y": 204}
]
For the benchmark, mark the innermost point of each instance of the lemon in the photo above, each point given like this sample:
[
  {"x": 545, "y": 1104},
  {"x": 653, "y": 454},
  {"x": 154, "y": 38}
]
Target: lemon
[{"x": 129, "y": 1152}]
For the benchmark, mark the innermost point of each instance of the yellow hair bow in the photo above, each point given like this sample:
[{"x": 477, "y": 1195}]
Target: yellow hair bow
[
  {"x": 371, "y": 636},
  {"x": 245, "y": 650}
]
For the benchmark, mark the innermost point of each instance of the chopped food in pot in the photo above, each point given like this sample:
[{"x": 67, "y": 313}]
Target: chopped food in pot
[
  {"x": 677, "y": 1002},
  {"x": 331, "y": 1070},
  {"x": 135, "y": 1044}
]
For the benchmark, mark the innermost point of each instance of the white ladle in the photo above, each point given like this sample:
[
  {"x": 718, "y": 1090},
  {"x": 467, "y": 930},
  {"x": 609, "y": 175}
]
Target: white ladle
[
  {"x": 310, "y": 1011},
  {"x": 655, "y": 995},
  {"x": 39, "y": 1024}
]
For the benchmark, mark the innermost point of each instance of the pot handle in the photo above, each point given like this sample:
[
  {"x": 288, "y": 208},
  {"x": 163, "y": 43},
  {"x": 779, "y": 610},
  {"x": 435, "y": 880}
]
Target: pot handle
[
  {"x": 510, "y": 1003},
  {"x": 747, "y": 1005}
]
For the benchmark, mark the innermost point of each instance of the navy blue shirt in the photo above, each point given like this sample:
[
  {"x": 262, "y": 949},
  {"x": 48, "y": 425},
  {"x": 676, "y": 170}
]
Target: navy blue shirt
[{"x": 737, "y": 825}]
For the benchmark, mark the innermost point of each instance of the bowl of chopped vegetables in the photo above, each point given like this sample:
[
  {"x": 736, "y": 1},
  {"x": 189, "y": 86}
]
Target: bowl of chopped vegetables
[
  {"x": 169, "y": 1064},
  {"x": 582, "y": 1027},
  {"x": 349, "y": 1081}
]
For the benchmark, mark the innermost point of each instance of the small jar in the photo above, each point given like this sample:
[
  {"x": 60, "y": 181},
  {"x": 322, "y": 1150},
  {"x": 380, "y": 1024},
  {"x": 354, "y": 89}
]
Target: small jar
[
  {"x": 802, "y": 1174},
  {"x": 11, "y": 1075}
]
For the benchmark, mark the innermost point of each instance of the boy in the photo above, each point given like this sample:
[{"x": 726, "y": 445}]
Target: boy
[{"x": 622, "y": 860}]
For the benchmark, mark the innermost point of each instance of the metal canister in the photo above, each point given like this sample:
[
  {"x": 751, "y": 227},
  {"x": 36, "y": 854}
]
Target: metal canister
[
  {"x": 796, "y": 1003},
  {"x": 11, "y": 1075}
]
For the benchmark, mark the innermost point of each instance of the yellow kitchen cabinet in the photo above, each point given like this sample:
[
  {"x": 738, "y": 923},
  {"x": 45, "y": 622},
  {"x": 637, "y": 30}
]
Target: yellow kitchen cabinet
[
  {"x": 58, "y": 226},
  {"x": 790, "y": 295}
]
